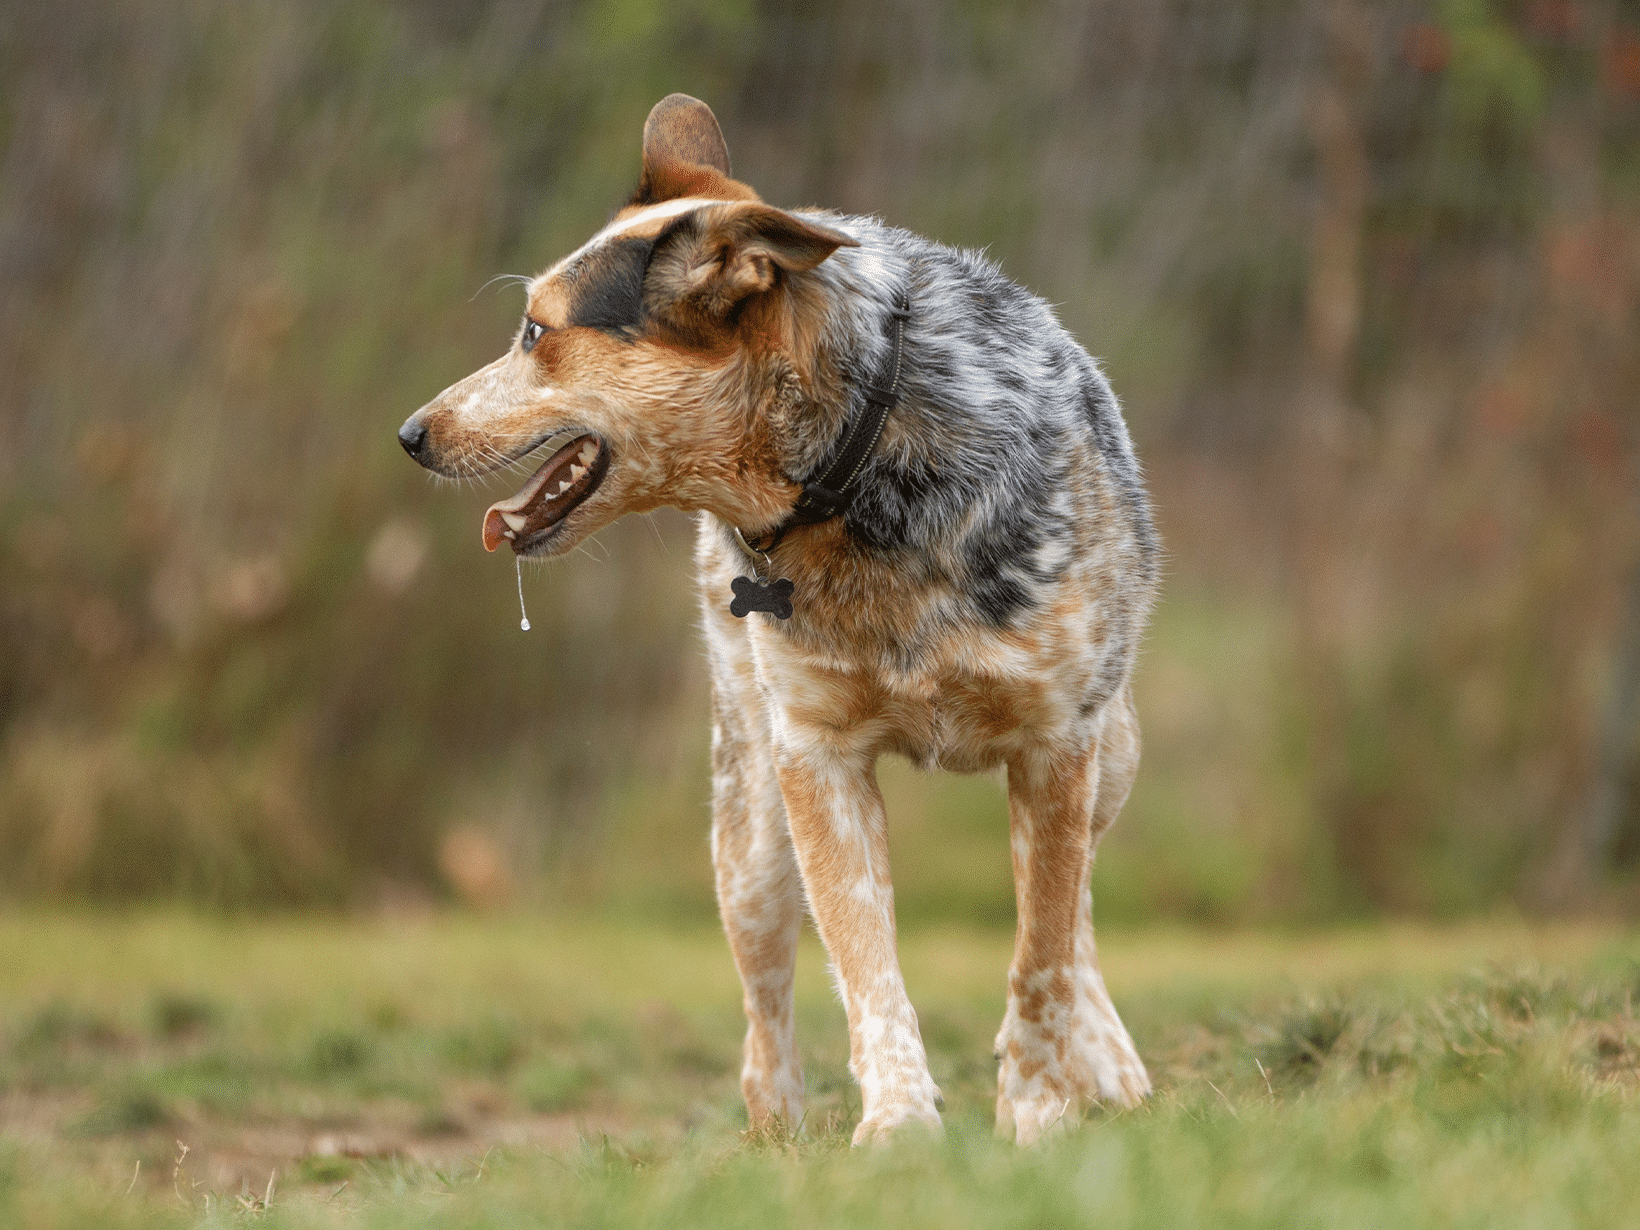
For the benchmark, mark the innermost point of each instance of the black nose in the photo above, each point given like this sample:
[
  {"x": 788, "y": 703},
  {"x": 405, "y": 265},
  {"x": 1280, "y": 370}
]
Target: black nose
[{"x": 413, "y": 436}]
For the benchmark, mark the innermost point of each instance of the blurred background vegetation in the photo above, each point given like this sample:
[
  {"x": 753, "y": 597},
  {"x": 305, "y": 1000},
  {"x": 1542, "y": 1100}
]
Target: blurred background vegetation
[{"x": 1367, "y": 276}]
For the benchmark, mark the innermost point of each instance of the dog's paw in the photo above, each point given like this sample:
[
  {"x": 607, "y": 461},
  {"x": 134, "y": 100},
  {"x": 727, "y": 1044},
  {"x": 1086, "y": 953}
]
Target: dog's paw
[
  {"x": 1103, "y": 1064},
  {"x": 884, "y": 1126},
  {"x": 1112, "y": 1074},
  {"x": 772, "y": 1096},
  {"x": 1044, "y": 1085},
  {"x": 898, "y": 1093},
  {"x": 1043, "y": 1112},
  {"x": 1030, "y": 1107}
]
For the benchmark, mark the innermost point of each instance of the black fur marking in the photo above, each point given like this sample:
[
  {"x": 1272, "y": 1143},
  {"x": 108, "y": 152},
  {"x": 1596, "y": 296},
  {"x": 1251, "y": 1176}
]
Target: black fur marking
[
  {"x": 684, "y": 226},
  {"x": 607, "y": 290},
  {"x": 999, "y": 598},
  {"x": 1047, "y": 440},
  {"x": 1000, "y": 564},
  {"x": 892, "y": 508},
  {"x": 911, "y": 482}
]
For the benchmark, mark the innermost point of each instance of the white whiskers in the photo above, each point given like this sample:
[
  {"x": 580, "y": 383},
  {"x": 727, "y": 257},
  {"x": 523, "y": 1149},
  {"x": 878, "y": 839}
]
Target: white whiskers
[{"x": 502, "y": 277}]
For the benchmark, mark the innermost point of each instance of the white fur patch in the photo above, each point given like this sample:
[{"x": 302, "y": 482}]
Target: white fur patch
[{"x": 654, "y": 213}]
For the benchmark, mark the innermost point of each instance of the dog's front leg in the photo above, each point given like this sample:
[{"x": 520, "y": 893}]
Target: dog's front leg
[
  {"x": 759, "y": 895},
  {"x": 837, "y": 825},
  {"x": 761, "y": 904},
  {"x": 1058, "y": 1037}
]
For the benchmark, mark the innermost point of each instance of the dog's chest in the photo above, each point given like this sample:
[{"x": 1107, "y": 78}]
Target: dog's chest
[
  {"x": 945, "y": 715},
  {"x": 971, "y": 725}
]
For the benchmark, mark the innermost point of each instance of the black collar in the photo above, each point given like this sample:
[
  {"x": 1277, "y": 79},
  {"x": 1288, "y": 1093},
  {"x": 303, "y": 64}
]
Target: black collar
[{"x": 829, "y": 493}]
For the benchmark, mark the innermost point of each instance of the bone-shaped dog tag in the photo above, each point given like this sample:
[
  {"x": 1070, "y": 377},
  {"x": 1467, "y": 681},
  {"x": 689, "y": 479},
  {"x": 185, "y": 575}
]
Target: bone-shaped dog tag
[{"x": 775, "y": 597}]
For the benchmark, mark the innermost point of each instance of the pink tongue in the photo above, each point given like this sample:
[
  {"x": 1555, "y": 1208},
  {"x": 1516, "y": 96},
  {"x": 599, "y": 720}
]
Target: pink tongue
[{"x": 532, "y": 505}]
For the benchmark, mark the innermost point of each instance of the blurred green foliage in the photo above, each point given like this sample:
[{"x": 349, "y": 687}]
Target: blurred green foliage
[{"x": 1367, "y": 276}]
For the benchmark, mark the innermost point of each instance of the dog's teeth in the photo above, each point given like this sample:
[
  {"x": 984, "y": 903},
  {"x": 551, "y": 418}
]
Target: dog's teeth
[
  {"x": 563, "y": 487},
  {"x": 589, "y": 450},
  {"x": 575, "y": 473},
  {"x": 507, "y": 534},
  {"x": 513, "y": 519}
]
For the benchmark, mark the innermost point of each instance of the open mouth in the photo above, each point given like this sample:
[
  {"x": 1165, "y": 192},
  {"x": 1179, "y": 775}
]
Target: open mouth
[{"x": 569, "y": 476}]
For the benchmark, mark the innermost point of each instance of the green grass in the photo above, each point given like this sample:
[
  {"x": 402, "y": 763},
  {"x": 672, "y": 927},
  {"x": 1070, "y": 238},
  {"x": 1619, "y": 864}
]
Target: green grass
[{"x": 437, "y": 1070}]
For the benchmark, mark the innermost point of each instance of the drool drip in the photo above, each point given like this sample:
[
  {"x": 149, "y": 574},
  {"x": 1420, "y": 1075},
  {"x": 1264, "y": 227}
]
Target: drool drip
[{"x": 524, "y": 620}]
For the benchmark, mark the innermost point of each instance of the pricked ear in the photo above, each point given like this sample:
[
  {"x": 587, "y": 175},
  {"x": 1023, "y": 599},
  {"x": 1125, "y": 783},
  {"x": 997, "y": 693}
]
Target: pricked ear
[
  {"x": 683, "y": 129},
  {"x": 684, "y": 154}
]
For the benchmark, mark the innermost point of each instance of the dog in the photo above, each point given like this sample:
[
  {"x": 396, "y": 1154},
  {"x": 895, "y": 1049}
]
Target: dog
[{"x": 922, "y": 530}]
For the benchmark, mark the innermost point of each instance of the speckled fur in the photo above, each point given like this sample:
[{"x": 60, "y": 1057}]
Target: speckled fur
[{"x": 979, "y": 606}]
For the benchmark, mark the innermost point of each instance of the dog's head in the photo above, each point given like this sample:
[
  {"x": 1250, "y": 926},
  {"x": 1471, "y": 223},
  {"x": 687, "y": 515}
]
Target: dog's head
[{"x": 637, "y": 352}]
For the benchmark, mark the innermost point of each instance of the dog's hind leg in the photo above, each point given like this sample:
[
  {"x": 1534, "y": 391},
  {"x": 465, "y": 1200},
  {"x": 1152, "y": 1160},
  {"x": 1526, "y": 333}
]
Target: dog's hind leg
[
  {"x": 1105, "y": 1064},
  {"x": 1061, "y": 1043},
  {"x": 759, "y": 895}
]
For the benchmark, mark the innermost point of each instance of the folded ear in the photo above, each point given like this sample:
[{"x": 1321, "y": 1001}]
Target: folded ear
[
  {"x": 720, "y": 255},
  {"x": 684, "y": 154},
  {"x": 757, "y": 241}
]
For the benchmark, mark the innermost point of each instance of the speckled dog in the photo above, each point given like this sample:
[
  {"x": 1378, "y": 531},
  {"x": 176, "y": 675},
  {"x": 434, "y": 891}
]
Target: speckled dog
[{"x": 970, "y": 594}]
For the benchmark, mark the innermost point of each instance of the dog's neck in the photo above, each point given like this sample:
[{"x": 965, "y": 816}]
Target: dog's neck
[
  {"x": 826, "y": 390},
  {"x": 827, "y": 488},
  {"x": 826, "y": 491}
]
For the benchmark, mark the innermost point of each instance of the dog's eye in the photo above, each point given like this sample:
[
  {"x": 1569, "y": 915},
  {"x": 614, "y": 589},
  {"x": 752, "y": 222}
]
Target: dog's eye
[{"x": 532, "y": 334}]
